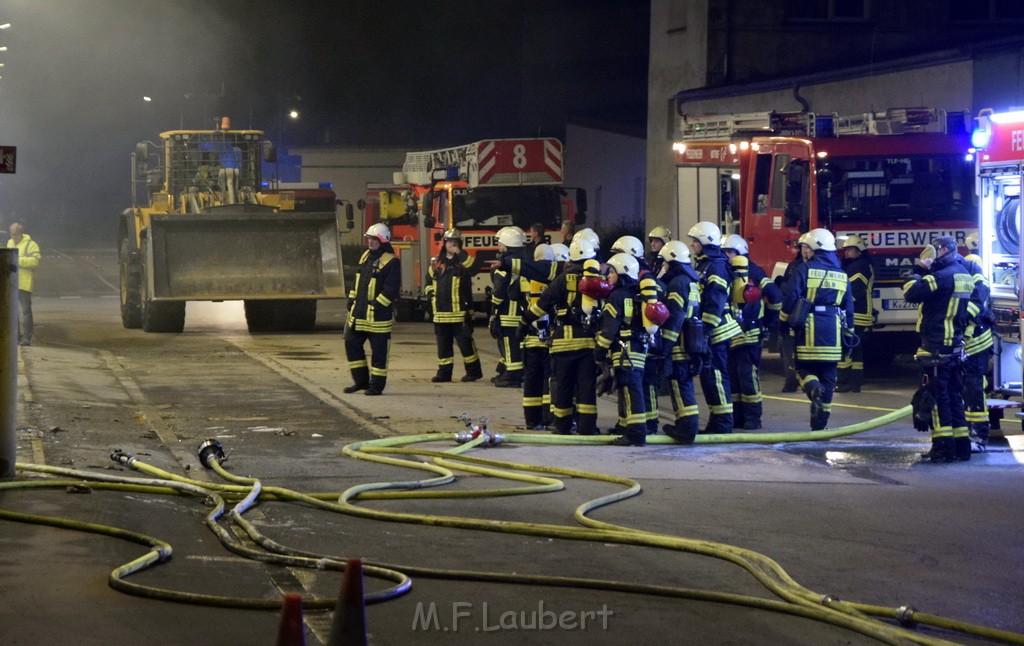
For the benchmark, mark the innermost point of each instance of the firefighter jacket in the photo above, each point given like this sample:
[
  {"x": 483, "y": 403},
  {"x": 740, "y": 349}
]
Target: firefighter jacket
[
  {"x": 820, "y": 288},
  {"x": 28, "y": 259},
  {"x": 573, "y": 327},
  {"x": 715, "y": 277},
  {"x": 862, "y": 282},
  {"x": 682, "y": 296},
  {"x": 512, "y": 284},
  {"x": 377, "y": 285},
  {"x": 450, "y": 287},
  {"x": 753, "y": 317},
  {"x": 622, "y": 335},
  {"x": 943, "y": 293},
  {"x": 978, "y": 333}
]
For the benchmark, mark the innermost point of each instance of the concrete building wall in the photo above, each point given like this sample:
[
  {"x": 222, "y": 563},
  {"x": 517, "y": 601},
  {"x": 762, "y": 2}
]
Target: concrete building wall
[
  {"x": 611, "y": 167},
  {"x": 678, "y": 61}
]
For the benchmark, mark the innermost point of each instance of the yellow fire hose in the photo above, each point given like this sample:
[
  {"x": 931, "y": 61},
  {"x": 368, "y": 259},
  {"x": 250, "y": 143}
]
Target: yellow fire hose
[{"x": 246, "y": 492}]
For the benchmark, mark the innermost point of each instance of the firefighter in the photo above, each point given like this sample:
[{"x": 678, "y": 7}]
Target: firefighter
[
  {"x": 858, "y": 267},
  {"x": 506, "y": 306},
  {"x": 651, "y": 291},
  {"x": 656, "y": 239},
  {"x": 978, "y": 345},
  {"x": 536, "y": 363},
  {"x": 817, "y": 309},
  {"x": 450, "y": 289},
  {"x": 371, "y": 312},
  {"x": 680, "y": 332},
  {"x": 621, "y": 342},
  {"x": 29, "y": 258},
  {"x": 756, "y": 302},
  {"x": 572, "y": 303},
  {"x": 719, "y": 325},
  {"x": 943, "y": 289}
]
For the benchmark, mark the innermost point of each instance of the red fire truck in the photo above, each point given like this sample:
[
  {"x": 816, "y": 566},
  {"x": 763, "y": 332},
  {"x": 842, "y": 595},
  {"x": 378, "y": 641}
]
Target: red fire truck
[
  {"x": 477, "y": 188},
  {"x": 999, "y": 138},
  {"x": 897, "y": 179}
]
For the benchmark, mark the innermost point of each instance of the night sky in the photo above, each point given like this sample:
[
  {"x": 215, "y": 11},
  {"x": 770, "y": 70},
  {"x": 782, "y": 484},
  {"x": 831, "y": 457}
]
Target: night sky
[{"x": 363, "y": 73}]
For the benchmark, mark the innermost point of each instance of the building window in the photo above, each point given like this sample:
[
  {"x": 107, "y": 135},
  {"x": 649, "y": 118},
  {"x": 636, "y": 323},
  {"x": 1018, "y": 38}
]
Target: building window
[
  {"x": 827, "y": 10},
  {"x": 987, "y": 11}
]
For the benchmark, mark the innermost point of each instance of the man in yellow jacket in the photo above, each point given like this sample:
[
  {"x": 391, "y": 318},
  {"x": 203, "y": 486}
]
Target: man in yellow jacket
[{"x": 28, "y": 260}]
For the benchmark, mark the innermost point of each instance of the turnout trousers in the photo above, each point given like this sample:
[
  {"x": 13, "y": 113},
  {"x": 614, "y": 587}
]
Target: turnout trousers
[
  {"x": 714, "y": 381},
  {"x": 448, "y": 335},
  {"x": 374, "y": 373},
  {"x": 574, "y": 391}
]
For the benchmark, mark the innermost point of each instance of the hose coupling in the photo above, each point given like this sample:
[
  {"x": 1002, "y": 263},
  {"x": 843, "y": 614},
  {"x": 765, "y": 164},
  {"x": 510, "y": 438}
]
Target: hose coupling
[
  {"x": 830, "y": 599},
  {"x": 209, "y": 450},
  {"x": 122, "y": 458},
  {"x": 905, "y": 615},
  {"x": 476, "y": 430}
]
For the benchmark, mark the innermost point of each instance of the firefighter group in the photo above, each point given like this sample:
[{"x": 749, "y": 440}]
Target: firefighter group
[{"x": 571, "y": 326}]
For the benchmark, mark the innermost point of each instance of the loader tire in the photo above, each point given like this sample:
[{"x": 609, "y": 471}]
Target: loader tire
[
  {"x": 163, "y": 316},
  {"x": 295, "y": 315},
  {"x": 167, "y": 317},
  {"x": 130, "y": 270},
  {"x": 405, "y": 310},
  {"x": 259, "y": 315}
]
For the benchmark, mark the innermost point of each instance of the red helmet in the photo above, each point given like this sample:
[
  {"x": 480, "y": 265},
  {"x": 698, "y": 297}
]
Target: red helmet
[
  {"x": 751, "y": 293},
  {"x": 656, "y": 312},
  {"x": 595, "y": 287}
]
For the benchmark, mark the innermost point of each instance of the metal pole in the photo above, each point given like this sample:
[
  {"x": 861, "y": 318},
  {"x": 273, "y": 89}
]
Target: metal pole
[{"x": 8, "y": 361}]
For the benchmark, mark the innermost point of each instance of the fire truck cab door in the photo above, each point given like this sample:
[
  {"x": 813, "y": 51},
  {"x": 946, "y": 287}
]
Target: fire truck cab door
[{"x": 778, "y": 200}]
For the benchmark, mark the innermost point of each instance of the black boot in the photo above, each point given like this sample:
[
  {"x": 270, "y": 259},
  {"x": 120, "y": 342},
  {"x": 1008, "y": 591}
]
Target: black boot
[
  {"x": 473, "y": 371},
  {"x": 509, "y": 379},
  {"x": 635, "y": 435},
  {"x": 444, "y": 375},
  {"x": 943, "y": 450},
  {"x": 962, "y": 448},
  {"x": 376, "y": 386},
  {"x": 751, "y": 417},
  {"x": 819, "y": 418},
  {"x": 360, "y": 378},
  {"x": 681, "y": 432}
]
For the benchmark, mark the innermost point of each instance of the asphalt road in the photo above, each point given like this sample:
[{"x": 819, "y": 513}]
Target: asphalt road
[{"x": 856, "y": 517}]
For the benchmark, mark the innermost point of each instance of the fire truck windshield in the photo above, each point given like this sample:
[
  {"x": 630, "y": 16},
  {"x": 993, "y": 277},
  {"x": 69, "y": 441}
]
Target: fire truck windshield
[
  {"x": 917, "y": 188},
  {"x": 498, "y": 207}
]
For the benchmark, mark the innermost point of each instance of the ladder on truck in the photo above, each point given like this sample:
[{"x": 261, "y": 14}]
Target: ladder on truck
[{"x": 894, "y": 121}]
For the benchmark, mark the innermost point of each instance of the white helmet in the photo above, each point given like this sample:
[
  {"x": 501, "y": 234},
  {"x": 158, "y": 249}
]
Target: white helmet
[
  {"x": 676, "y": 251},
  {"x": 587, "y": 234},
  {"x": 737, "y": 244},
  {"x": 511, "y": 236},
  {"x": 379, "y": 231},
  {"x": 706, "y": 233},
  {"x": 543, "y": 252},
  {"x": 660, "y": 232},
  {"x": 625, "y": 264},
  {"x": 855, "y": 242},
  {"x": 818, "y": 240},
  {"x": 560, "y": 251},
  {"x": 973, "y": 242},
  {"x": 630, "y": 245},
  {"x": 580, "y": 249}
]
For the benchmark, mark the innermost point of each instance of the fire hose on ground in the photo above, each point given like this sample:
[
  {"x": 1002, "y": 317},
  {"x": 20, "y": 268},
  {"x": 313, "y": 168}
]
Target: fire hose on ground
[{"x": 245, "y": 492}]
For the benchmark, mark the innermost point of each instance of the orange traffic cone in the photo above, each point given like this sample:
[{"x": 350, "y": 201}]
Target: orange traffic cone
[
  {"x": 348, "y": 627},
  {"x": 290, "y": 632}
]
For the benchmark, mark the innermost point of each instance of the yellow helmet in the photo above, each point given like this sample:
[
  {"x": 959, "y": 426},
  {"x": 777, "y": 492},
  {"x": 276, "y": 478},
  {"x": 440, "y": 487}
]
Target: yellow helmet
[
  {"x": 856, "y": 242},
  {"x": 660, "y": 232}
]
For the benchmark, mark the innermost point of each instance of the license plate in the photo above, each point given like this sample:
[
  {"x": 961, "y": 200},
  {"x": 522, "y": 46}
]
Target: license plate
[{"x": 897, "y": 304}]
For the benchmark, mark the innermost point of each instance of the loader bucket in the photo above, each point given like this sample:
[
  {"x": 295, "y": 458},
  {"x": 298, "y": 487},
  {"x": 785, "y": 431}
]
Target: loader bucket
[{"x": 243, "y": 252}]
